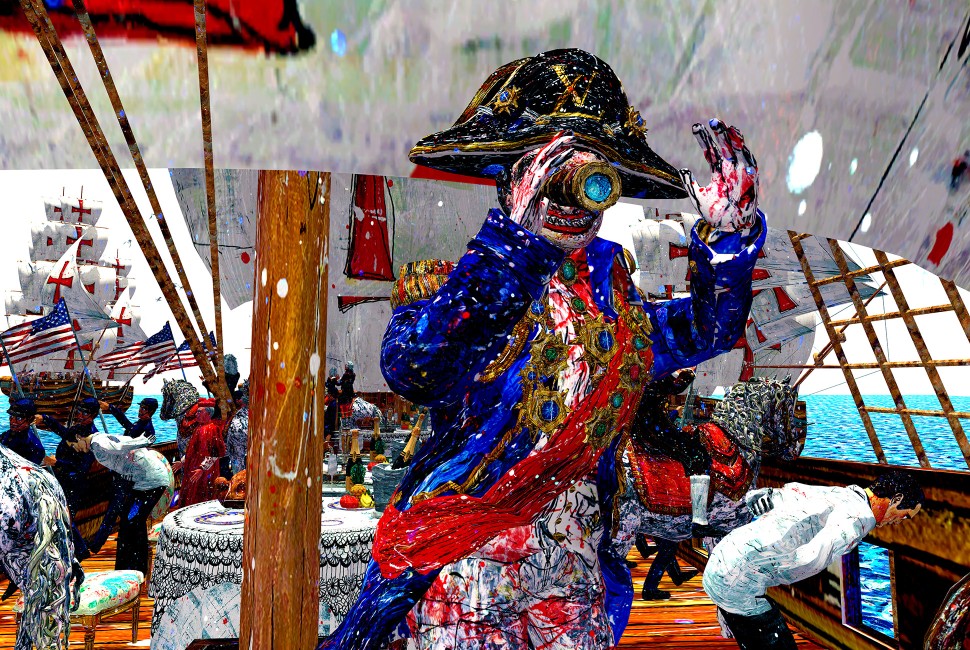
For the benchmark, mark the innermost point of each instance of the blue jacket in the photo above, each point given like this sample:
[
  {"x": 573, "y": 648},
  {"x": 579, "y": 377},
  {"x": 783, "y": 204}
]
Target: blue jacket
[
  {"x": 132, "y": 430},
  {"x": 436, "y": 349},
  {"x": 24, "y": 443}
]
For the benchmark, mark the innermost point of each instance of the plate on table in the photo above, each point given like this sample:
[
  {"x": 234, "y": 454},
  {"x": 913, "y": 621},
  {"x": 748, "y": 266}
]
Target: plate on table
[{"x": 336, "y": 506}]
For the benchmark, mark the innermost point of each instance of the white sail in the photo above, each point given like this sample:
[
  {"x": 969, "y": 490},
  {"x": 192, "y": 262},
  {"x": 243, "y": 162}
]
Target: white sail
[
  {"x": 79, "y": 211},
  {"x": 65, "y": 280},
  {"x": 103, "y": 283},
  {"x": 50, "y": 240},
  {"x": 236, "y": 207},
  {"x": 773, "y": 305}
]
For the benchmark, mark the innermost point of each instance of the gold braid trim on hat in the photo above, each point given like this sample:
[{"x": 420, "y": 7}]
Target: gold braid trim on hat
[{"x": 533, "y": 141}]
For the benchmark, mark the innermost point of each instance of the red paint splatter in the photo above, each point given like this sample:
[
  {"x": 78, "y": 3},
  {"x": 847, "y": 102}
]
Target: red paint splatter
[
  {"x": 465, "y": 314},
  {"x": 280, "y": 387},
  {"x": 944, "y": 237},
  {"x": 298, "y": 382},
  {"x": 244, "y": 257},
  {"x": 272, "y": 489},
  {"x": 390, "y": 183}
]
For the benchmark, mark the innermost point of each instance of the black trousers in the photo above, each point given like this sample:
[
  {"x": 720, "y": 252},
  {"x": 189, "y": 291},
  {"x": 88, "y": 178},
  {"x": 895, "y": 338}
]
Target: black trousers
[
  {"x": 767, "y": 631},
  {"x": 133, "y": 530},
  {"x": 665, "y": 560},
  {"x": 120, "y": 487},
  {"x": 74, "y": 485}
]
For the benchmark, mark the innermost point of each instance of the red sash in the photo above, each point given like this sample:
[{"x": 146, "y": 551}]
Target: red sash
[{"x": 441, "y": 530}]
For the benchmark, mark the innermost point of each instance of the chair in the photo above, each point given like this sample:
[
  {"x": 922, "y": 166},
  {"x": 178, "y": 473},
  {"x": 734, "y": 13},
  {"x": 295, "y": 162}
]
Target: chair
[
  {"x": 153, "y": 535},
  {"x": 104, "y": 595}
]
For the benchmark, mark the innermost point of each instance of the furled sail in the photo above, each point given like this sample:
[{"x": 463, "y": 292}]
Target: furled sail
[
  {"x": 50, "y": 240},
  {"x": 236, "y": 207}
]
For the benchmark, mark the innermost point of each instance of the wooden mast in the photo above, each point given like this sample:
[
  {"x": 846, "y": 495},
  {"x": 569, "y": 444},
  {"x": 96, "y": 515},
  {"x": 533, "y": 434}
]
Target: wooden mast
[
  {"x": 47, "y": 37},
  {"x": 281, "y": 565},
  {"x": 221, "y": 389}
]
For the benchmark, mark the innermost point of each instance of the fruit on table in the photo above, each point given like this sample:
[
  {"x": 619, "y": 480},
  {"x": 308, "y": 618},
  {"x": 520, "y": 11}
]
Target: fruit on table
[
  {"x": 357, "y": 490},
  {"x": 349, "y": 501},
  {"x": 366, "y": 501}
]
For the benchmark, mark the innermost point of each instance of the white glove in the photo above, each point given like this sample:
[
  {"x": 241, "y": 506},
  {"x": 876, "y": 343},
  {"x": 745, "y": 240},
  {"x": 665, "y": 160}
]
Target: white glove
[{"x": 760, "y": 501}]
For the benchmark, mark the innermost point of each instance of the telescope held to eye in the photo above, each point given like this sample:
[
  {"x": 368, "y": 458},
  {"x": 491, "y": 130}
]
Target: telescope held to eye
[{"x": 592, "y": 186}]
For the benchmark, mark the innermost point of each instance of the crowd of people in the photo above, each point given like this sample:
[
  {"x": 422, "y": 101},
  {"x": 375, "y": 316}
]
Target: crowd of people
[{"x": 208, "y": 448}]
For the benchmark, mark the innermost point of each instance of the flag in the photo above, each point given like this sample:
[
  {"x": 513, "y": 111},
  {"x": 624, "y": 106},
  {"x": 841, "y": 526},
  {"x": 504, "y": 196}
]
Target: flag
[
  {"x": 41, "y": 336},
  {"x": 157, "y": 347},
  {"x": 182, "y": 359}
]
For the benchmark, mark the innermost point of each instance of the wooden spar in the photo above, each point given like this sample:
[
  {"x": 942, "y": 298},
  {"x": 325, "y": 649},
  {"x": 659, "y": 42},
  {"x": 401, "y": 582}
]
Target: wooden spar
[
  {"x": 47, "y": 37},
  {"x": 941, "y": 363},
  {"x": 221, "y": 388},
  {"x": 109, "y": 85},
  {"x": 281, "y": 563},
  {"x": 889, "y": 315},
  {"x": 836, "y": 345},
  {"x": 887, "y": 372},
  {"x": 934, "y": 375},
  {"x": 851, "y": 275},
  {"x": 828, "y": 346}
]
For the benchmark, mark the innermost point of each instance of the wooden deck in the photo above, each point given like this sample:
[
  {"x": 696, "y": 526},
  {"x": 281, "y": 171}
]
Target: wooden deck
[{"x": 684, "y": 622}]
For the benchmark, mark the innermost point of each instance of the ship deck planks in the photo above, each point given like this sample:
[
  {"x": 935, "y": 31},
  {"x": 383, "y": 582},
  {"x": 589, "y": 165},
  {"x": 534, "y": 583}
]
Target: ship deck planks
[{"x": 685, "y": 622}]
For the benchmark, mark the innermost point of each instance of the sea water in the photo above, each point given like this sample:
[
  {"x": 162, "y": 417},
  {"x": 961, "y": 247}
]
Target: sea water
[
  {"x": 164, "y": 430},
  {"x": 835, "y": 431}
]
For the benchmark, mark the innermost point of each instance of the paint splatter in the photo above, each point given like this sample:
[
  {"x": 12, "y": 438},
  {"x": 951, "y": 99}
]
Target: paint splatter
[{"x": 944, "y": 237}]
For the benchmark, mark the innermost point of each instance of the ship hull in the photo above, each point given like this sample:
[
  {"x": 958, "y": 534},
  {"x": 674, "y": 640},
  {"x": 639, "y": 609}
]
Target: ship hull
[{"x": 56, "y": 397}]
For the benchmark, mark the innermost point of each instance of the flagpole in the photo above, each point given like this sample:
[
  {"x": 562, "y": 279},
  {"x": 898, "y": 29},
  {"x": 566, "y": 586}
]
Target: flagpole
[
  {"x": 178, "y": 357},
  {"x": 16, "y": 382},
  {"x": 84, "y": 362}
]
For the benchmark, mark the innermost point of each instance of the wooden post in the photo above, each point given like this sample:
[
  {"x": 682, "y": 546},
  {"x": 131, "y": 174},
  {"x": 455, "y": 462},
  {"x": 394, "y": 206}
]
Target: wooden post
[
  {"x": 221, "y": 389},
  {"x": 281, "y": 558}
]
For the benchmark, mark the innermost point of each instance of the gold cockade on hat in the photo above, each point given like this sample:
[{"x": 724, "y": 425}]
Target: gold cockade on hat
[
  {"x": 505, "y": 100},
  {"x": 634, "y": 123}
]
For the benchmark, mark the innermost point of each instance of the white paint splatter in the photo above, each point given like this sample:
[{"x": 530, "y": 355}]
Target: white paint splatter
[
  {"x": 866, "y": 222},
  {"x": 282, "y": 288},
  {"x": 314, "y": 364},
  {"x": 264, "y": 277},
  {"x": 854, "y": 165},
  {"x": 805, "y": 162},
  {"x": 802, "y": 207},
  {"x": 913, "y": 156}
]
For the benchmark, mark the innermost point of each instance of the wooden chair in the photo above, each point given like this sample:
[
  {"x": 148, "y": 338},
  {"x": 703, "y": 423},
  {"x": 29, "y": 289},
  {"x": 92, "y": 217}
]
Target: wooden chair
[{"x": 104, "y": 595}]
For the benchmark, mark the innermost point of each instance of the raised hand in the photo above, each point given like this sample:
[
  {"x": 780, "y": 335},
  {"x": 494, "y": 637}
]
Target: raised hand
[
  {"x": 730, "y": 201},
  {"x": 528, "y": 206}
]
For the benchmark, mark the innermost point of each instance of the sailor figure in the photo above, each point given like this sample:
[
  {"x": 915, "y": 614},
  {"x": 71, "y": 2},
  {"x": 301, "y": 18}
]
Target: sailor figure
[{"x": 21, "y": 438}]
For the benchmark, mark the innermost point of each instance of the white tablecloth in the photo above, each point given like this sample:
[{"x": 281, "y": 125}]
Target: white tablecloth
[{"x": 201, "y": 546}]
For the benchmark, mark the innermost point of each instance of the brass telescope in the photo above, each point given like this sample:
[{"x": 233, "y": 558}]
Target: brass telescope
[{"x": 592, "y": 186}]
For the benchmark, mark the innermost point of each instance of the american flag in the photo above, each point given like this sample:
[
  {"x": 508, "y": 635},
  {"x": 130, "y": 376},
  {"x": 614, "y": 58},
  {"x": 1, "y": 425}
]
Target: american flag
[
  {"x": 156, "y": 348},
  {"x": 183, "y": 358},
  {"x": 41, "y": 336}
]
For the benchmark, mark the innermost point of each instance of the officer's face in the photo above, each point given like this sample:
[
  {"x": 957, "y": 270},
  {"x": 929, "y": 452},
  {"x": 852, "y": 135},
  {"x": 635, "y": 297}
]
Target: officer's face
[{"x": 18, "y": 423}]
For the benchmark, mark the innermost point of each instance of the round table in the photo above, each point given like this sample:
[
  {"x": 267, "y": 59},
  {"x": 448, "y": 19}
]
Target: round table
[{"x": 201, "y": 546}]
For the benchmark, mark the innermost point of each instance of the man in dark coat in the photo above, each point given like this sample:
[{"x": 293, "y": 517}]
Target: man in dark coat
[
  {"x": 346, "y": 398},
  {"x": 120, "y": 486},
  {"x": 21, "y": 439},
  {"x": 73, "y": 461}
]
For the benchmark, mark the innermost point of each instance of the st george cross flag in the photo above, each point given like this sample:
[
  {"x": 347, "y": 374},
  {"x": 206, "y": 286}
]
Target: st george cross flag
[
  {"x": 179, "y": 361},
  {"x": 157, "y": 347},
  {"x": 40, "y": 337}
]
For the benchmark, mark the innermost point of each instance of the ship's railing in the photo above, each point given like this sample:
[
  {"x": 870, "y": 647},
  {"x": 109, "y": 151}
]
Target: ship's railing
[{"x": 835, "y": 329}]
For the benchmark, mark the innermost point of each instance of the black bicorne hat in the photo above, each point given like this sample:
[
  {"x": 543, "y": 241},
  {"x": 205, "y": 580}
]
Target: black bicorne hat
[{"x": 524, "y": 104}]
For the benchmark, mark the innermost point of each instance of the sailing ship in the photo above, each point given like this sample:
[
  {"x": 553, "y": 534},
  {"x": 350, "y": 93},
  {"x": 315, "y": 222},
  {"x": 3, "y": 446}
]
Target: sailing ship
[{"x": 68, "y": 258}]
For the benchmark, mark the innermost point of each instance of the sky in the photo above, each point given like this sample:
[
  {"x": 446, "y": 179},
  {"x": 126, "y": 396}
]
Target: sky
[{"x": 24, "y": 191}]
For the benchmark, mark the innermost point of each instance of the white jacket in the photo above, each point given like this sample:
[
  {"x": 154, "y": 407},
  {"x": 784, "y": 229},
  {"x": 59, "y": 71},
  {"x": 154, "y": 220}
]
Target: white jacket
[
  {"x": 808, "y": 528},
  {"x": 129, "y": 458}
]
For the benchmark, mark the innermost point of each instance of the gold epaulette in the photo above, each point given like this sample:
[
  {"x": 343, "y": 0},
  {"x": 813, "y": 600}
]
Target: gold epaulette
[{"x": 419, "y": 281}]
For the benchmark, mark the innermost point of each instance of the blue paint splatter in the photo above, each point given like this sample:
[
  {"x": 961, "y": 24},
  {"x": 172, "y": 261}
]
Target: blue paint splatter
[{"x": 338, "y": 42}]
